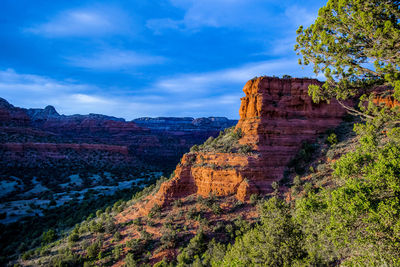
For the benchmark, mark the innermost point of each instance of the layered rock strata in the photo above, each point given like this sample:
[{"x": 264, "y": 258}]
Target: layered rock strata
[
  {"x": 276, "y": 117},
  {"x": 156, "y": 142}
]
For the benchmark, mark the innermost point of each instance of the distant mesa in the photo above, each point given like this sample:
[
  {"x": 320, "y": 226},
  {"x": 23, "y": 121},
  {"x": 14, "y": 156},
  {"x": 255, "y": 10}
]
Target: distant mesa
[
  {"x": 185, "y": 123},
  {"x": 157, "y": 142}
]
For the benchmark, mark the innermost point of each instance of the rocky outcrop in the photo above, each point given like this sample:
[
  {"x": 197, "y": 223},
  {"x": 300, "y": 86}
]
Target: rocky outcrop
[
  {"x": 12, "y": 116},
  {"x": 388, "y": 101},
  {"x": 276, "y": 117},
  {"x": 42, "y": 114}
]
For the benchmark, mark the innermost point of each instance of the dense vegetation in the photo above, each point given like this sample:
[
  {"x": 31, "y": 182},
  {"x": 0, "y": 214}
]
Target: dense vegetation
[
  {"x": 356, "y": 222},
  {"x": 225, "y": 142},
  {"x": 355, "y": 45}
]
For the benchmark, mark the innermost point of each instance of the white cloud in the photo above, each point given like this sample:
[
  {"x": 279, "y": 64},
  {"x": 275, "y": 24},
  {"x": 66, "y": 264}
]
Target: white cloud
[
  {"x": 84, "y": 22},
  {"x": 214, "y": 93},
  {"x": 88, "y": 99},
  {"x": 113, "y": 59},
  {"x": 15, "y": 83},
  {"x": 29, "y": 90},
  {"x": 211, "y": 81},
  {"x": 34, "y": 91}
]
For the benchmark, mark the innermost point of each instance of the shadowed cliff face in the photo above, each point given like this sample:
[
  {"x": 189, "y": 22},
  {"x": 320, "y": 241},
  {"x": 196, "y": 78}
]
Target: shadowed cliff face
[{"x": 276, "y": 117}]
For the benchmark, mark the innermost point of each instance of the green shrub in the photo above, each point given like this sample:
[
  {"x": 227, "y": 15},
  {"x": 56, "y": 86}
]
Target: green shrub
[
  {"x": 196, "y": 247},
  {"x": 245, "y": 149},
  {"x": 191, "y": 213},
  {"x": 276, "y": 242},
  {"x": 117, "y": 252},
  {"x": 254, "y": 198},
  {"x": 135, "y": 246},
  {"x": 177, "y": 203},
  {"x": 226, "y": 142},
  {"x": 109, "y": 226},
  {"x": 27, "y": 255},
  {"x": 93, "y": 250},
  {"x": 155, "y": 211},
  {"x": 117, "y": 236},
  {"x": 130, "y": 261},
  {"x": 332, "y": 139},
  {"x": 216, "y": 208},
  {"x": 169, "y": 239},
  {"x": 49, "y": 236},
  {"x": 73, "y": 237},
  {"x": 194, "y": 148}
]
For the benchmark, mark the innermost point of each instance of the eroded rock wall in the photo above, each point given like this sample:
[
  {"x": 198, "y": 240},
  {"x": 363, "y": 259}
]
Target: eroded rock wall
[{"x": 276, "y": 116}]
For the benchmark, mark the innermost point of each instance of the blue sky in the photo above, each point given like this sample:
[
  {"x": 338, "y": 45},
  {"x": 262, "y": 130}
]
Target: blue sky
[{"x": 145, "y": 57}]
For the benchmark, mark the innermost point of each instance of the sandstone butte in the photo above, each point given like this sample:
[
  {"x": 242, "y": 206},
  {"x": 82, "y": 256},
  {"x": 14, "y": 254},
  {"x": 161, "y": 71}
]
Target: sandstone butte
[{"x": 276, "y": 117}]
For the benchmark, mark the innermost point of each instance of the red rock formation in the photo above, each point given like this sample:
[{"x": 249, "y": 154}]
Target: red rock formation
[
  {"x": 276, "y": 116},
  {"x": 388, "y": 101}
]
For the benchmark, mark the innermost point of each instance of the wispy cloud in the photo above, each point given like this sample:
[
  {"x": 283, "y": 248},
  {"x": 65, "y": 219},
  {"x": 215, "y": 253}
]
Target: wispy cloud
[
  {"x": 43, "y": 91},
  {"x": 216, "y": 13},
  {"x": 88, "y": 99},
  {"x": 210, "y": 81},
  {"x": 214, "y": 93},
  {"x": 245, "y": 14},
  {"x": 12, "y": 83},
  {"x": 114, "y": 59},
  {"x": 74, "y": 98},
  {"x": 86, "y": 22}
]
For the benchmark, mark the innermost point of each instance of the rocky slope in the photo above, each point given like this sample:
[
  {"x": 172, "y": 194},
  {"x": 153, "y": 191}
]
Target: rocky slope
[{"x": 276, "y": 117}]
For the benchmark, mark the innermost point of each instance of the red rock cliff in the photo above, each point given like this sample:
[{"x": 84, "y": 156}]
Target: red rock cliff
[{"x": 276, "y": 116}]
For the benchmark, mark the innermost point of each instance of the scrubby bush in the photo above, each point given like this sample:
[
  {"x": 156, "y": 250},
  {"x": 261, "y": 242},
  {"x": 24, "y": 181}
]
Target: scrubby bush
[
  {"x": 254, "y": 198},
  {"x": 49, "y": 236},
  {"x": 226, "y": 142},
  {"x": 155, "y": 211},
  {"x": 216, "y": 208},
  {"x": 332, "y": 139},
  {"x": 191, "y": 213},
  {"x": 276, "y": 242},
  {"x": 93, "y": 250},
  {"x": 130, "y": 261},
  {"x": 109, "y": 226},
  {"x": 73, "y": 237},
  {"x": 136, "y": 247},
  {"x": 117, "y": 236},
  {"x": 116, "y": 252},
  {"x": 169, "y": 239},
  {"x": 196, "y": 247},
  {"x": 177, "y": 203}
]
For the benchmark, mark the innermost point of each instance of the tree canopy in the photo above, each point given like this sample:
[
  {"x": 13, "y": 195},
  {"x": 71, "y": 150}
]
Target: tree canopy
[{"x": 355, "y": 44}]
